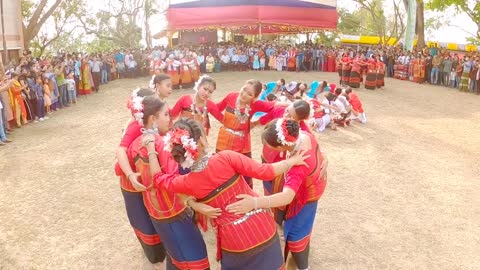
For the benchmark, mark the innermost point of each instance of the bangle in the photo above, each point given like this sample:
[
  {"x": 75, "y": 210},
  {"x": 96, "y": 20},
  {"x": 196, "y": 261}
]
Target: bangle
[
  {"x": 148, "y": 142},
  {"x": 130, "y": 174},
  {"x": 255, "y": 203},
  {"x": 152, "y": 153},
  {"x": 268, "y": 199},
  {"x": 187, "y": 200}
]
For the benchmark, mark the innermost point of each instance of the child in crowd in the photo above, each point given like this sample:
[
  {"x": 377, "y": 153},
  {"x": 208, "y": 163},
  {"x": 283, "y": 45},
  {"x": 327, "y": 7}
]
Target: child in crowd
[
  {"x": 46, "y": 95},
  {"x": 71, "y": 90},
  {"x": 453, "y": 77},
  {"x": 38, "y": 89}
]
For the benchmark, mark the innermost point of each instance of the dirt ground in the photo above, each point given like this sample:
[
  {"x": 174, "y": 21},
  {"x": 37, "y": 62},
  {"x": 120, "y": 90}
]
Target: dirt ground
[{"x": 402, "y": 193}]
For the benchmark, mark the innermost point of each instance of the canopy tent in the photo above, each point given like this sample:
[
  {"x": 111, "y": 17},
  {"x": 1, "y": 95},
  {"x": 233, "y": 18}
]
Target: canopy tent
[{"x": 253, "y": 16}]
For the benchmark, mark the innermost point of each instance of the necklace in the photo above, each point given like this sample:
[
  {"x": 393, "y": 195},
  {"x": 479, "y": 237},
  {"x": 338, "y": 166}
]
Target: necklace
[
  {"x": 296, "y": 148},
  {"x": 200, "y": 164},
  {"x": 195, "y": 112},
  {"x": 242, "y": 117},
  {"x": 153, "y": 131}
]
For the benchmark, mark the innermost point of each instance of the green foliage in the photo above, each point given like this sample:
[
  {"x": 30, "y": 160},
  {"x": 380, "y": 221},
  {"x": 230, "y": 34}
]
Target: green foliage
[
  {"x": 469, "y": 7},
  {"x": 27, "y": 8},
  {"x": 117, "y": 26}
]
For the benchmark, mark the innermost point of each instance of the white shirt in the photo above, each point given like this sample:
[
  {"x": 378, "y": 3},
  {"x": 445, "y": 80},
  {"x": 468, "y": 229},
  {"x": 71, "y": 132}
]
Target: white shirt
[
  {"x": 225, "y": 59},
  {"x": 342, "y": 103}
]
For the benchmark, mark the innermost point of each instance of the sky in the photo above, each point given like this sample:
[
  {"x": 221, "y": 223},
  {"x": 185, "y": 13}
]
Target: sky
[{"x": 454, "y": 32}]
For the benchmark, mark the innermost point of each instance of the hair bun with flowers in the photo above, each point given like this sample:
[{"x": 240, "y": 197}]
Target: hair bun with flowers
[
  {"x": 199, "y": 81},
  {"x": 135, "y": 106},
  {"x": 283, "y": 135},
  {"x": 182, "y": 137}
]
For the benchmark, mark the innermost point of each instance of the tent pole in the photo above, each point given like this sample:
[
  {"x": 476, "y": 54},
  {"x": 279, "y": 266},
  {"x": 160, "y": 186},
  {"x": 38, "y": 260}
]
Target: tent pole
[{"x": 260, "y": 30}]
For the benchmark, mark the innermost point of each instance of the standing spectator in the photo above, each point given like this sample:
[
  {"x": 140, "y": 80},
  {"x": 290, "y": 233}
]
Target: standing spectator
[
  {"x": 104, "y": 69},
  {"x": 71, "y": 89},
  {"x": 38, "y": 89},
  {"x": 447, "y": 68},
  {"x": 61, "y": 84},
  {"x": 436, "y": 61},
  {"x": 465, "y": 77},
  {"x": 96, "y": 72}
]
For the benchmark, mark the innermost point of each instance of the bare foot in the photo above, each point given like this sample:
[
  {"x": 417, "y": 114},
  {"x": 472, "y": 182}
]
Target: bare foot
[
  {"x": 8, "y": 141},
  {"x": 160, "y": 265}
]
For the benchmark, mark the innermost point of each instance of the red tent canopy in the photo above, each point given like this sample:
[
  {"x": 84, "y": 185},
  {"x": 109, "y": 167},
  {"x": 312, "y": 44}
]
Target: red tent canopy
[{"x": 249, "y": 16}]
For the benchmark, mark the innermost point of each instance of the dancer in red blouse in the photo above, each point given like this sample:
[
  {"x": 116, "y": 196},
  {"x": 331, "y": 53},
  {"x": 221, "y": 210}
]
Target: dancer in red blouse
[
  {"x": 238, "y": 109},
  {"x": 199, "y": 105},
  {"x": 303, "y": 187},
  {"x": 132, "y": 188},
  {"x": 172, "y": 220},
  {"x": 244, "y": 241},
  {"x": 299, "y": 111}
]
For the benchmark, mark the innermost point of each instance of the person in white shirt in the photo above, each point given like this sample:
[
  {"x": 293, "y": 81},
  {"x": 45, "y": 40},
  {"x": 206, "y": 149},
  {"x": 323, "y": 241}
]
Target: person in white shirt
[{"x": 225, "y": 59}]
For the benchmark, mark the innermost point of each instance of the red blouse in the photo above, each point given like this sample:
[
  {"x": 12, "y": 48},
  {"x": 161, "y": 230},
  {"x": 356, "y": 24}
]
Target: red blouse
[
  {"x": 160, "y": 203},
  {"x": 132, "y": 132},
  {"x": 183, "y": 108},
  {"x": 219, "y": 190},
  {"x": 305, "y": 181},
  {"x": 235, "y": 135}
]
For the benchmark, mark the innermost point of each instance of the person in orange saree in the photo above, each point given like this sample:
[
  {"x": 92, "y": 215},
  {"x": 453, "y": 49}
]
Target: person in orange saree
[
  {"x": 292, "y": 59},
  {"x": 238, "y": 109},
  {"x": 5, "y": 98},
  {"x": 244, "y": 241},
  {"x": 172, "y": 70},
  {"x": 186, "y": 72},
  {"x": 303, "y": 187},
  {"x": 85, "y": 83},
  {"x": 18, "y": 106}
]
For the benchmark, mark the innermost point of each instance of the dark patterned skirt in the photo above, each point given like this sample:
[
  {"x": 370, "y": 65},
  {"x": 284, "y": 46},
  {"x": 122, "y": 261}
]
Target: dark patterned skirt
[
  {"x": 345, "y": 76},
  {"x": 183, "y": 241},
  {"x": 355, "y": 79},
  {"x": 143, "y": 226},
  {"x": 267, "y": 256},
  {"x": 371, "y": 81},
  {"x": 380, "y": 80}
]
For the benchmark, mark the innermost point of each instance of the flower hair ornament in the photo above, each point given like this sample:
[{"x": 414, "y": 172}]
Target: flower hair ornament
[
  {"x": 182, "y": 137},
  {"x": 199, "y": 81},
  {"x": 282, "y": 133},
  {"x": 135, "y": 106}
]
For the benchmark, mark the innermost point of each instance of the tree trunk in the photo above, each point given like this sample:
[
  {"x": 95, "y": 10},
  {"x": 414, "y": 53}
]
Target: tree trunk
[
  {"x": 148, "y": 36},
  {"x": 420, "y": 29},
  {"x": 4, "y": 39}
]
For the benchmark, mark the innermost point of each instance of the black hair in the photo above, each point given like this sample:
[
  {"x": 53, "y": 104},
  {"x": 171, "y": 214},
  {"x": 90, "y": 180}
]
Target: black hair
[
  {"x": 151, "y": 106},
  {"x": 282, "y": 80},
  {"x": 302, "y": 109},
  {"x": 194, "y": 129},
  {"x": 208, "y": 79},
  {"x": 338, "y": 91},
  {"x": 270, "y": 135},
  {"x": 331, "y": 97},
  {"x": 271, "y": 97},
  {"x": 145, "y": 92},
  {"x": 348, "y": 90},
  {"x": 257, "y": 87},
  {"x": 160, "y": 78}
]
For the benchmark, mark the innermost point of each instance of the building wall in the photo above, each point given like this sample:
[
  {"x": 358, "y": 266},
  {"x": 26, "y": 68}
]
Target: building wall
[{"x": 13, "y": 27}]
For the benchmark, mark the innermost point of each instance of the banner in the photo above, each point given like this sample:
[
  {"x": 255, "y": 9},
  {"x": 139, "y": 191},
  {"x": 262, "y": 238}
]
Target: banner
[{"x": 411, "y": 23}]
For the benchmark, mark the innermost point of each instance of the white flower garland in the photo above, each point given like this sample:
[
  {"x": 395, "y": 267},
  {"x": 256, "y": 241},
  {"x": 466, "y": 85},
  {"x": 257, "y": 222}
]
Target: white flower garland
[
  {"x": 137, "y": 106},
  {"x": 281, "y": 137},
  {"x": 197, "y": 83},
  {"x": 187, "y": 143}
]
